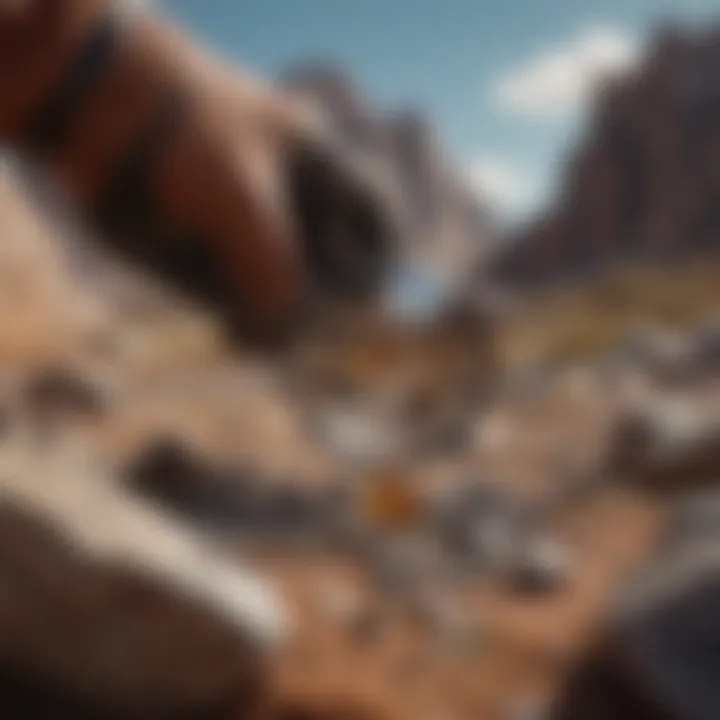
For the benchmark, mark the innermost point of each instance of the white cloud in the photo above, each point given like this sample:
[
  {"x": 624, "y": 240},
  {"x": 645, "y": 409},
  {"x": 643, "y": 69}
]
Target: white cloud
[
  {"x": 133, "y": 6},
  {"x": 558, "y": 82},
  {"x": 500, "y": 184}
]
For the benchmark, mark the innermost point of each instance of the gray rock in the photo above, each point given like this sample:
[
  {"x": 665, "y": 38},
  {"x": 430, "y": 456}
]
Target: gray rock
[
  {"x": 694, "y": 519},
  {"x": 655, "y": 351},
  {"x": 544, "y": 566},
  {"x": 478, "y": 526},
  {"x": 658, "y": 658},
  {"x": 439, "y": 218},
  {"x": 229, "y": 498},
  {"x": 171, "y": 471},
  {"x": 632, "y": 441},
  {"x": 670, "y": 445},
  {"x": 705, "y": 348}
]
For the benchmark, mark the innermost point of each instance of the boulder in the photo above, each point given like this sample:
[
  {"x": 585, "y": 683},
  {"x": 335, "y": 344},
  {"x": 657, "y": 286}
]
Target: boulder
[
  {"x": 656, "y": 658},
  {"x": 96, "y": 640},
  {"x": 666, "y": 445}
]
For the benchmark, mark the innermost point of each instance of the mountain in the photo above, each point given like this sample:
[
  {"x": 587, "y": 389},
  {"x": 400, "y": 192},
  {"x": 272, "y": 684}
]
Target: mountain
[
  {"x": 643, "y": 184},
  {"x": 442, "y": 222}
]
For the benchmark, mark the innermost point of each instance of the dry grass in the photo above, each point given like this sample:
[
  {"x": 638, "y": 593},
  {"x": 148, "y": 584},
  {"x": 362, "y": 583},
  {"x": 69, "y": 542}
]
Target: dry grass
[{"x": 580, "y": 321}]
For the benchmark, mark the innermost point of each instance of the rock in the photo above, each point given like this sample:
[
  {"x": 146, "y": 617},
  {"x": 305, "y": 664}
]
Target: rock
[
  {"x": 544, "y": 566},
  {"x": 695, "y": 518},
  {"x": 669, "y": 444},
  {"x": 236, "y": 498},
  {"x": 600, "y": 687},
  {"x": 59, "y": 392},
  {"x": 478, "y": 526},
  {"x": 98, "y": 640},
  {"x": 705, "y": 348},
  {"x": 465, "y": 332},
  {"x": 640, "y": 187},
  {"x": 360, "y": 432},
  {"x": 283, "y": 508},
  {"x": 439, "y": 218},
  {"x": 659, "y": 353},
  {"x": 336, "y": 521},
  {"x": 344, "y": 224},
  {"x": 657, "y": 657},
  {"x": 650, "y": 355},
  {"x": 171, "y": 471},
  {"x": 632, "y": 440}
]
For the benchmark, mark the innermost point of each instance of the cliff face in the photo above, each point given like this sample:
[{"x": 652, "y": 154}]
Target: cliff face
[
  {"x": 644, "y": 183},
  {"x": 442, "y": 222}
]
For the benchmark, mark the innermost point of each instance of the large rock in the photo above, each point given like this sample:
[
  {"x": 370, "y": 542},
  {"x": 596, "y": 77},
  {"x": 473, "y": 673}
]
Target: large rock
[
  {"x": 200, "y": 488},
  {"x": 102, "y": 641},
  {"x": 658, "y": 659},
  {"x": 665, "y": 445},
  {"x": 441, "y": 222}
]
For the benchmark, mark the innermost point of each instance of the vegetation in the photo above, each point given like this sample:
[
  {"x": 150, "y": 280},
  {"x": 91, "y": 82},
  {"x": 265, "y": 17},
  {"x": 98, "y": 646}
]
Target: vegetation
[{"x": 580, "y": 321}]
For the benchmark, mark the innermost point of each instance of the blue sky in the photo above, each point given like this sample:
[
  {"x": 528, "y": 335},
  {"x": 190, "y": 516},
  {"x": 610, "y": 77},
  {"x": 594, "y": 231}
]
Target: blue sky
[{"x": 504, "y": 81}]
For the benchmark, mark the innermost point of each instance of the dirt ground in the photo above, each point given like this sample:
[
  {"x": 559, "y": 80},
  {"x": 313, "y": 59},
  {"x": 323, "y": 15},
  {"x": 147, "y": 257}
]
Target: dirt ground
[
  {"x": 520, "y": 659},
  {"x": 170, "y": 371}
]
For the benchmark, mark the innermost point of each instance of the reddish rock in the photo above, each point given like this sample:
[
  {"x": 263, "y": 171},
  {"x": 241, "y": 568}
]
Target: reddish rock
[{"x": 643, "y": 183}]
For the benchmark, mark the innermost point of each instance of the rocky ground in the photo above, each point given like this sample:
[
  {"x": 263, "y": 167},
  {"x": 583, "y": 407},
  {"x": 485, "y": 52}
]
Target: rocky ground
[{"x": 477, "y": 601}]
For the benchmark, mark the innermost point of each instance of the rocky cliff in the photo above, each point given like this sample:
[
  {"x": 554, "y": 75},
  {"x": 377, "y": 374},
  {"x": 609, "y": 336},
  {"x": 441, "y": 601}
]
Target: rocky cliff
[
  {"x": 442, "y": 222},
  {"x": 643, "y": 184}
]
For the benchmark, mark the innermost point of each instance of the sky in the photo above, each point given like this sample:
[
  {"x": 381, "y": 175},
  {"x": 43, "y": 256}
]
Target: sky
[{"x": 506, "y": 83}]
